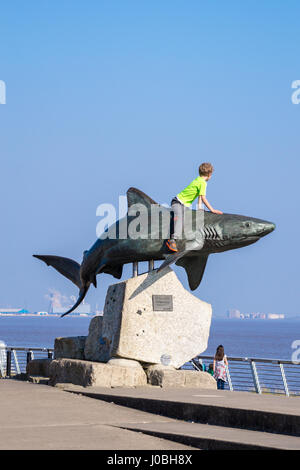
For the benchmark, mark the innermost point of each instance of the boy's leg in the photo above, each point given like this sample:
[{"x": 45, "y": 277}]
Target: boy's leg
[
  {"x": 177, "y": 225},
  {"x": 178, "y": 210}
]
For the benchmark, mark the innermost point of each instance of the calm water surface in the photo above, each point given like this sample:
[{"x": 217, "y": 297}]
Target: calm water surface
[
  {"x": 254, "y": 338},
  {"x": 40, "y": 332},
  {"x": 242, "y": 338}
]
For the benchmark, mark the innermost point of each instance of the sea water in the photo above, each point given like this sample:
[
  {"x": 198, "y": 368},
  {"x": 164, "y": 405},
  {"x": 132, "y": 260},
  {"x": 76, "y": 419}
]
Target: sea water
[{"x": 240, "y": 338}]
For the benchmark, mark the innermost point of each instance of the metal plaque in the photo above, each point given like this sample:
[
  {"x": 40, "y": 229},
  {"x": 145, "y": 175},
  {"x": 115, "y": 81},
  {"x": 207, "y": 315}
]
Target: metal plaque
[{"x": 162, "y": 303}]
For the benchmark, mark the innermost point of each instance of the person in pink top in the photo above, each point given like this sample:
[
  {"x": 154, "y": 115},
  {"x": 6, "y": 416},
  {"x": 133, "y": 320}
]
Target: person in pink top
[{"x": 219, "y": 366}]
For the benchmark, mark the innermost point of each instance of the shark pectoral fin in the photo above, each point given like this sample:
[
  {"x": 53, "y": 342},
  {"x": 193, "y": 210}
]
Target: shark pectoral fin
[
  {"x": 65, "y": 266},
  {"x": 82, "y": 294},
  {"x": 170, "y": 259},
  {"x": 115, "y": 271},
  {"x": 194, "y": 266}
]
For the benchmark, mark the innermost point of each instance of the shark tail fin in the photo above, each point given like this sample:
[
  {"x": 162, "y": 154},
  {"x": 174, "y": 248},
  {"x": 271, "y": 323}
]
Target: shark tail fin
[
  {"x": 82, "y": 294},
  {"x": 65, "y": 266},
  {"x": 71, "y": 270}
]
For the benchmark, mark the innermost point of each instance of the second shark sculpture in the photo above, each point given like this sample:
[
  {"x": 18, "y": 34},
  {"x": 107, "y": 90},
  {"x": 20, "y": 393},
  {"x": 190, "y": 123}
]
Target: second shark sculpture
[{"x": 217, "y": 233}]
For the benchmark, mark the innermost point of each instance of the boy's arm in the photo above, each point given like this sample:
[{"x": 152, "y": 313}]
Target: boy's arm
[{"x": 207, "y": 204}]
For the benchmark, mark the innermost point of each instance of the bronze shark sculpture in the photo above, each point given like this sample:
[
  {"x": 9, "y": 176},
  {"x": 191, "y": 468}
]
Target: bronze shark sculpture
[{"x": 216, "y": 234}]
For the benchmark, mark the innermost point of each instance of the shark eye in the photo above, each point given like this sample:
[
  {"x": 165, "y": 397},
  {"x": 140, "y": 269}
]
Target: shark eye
[{"x": 247, "y": 224}]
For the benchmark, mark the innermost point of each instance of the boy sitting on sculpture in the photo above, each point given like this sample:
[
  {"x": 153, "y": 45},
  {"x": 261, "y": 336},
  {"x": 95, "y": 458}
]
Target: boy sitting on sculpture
[{"x": 197, "y": 188}]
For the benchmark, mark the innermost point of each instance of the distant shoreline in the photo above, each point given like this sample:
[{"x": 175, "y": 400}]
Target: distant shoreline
[
  {"x": 91, "y": 315},
  {"x": 85, "y": 315}
]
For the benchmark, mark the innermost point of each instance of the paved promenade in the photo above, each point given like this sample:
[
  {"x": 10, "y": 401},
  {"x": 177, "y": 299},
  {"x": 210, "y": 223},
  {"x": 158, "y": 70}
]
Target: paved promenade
[
  {"x": 224, "y": 398},
  {"x": 35, "y": 416},
  {"x": 41, "y": 417}
]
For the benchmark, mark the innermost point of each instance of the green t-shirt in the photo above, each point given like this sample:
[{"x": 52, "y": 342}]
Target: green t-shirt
[{"x": 195, "y": 189}]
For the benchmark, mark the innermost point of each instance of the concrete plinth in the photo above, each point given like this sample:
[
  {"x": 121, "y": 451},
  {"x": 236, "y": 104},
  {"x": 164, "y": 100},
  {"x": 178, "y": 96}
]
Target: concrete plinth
[
  {"x": 170, "y": 377},
  {"x": 39, "y": 367},
  {"x": 137, "y": 323},
  {"x": 87, "y": 373},
  {"x": 71, "y": 347}
]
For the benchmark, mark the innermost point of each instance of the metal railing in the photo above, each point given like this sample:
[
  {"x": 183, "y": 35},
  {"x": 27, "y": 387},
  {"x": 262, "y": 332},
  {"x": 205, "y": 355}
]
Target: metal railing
[
  {"x": 13, "y": 360},
  {"x": 243, "y": 374},
  {"x": 258, "y": 375}
]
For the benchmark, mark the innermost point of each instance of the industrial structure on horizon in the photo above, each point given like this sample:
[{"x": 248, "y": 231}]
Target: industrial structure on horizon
[{"x": 57, "y": 305}]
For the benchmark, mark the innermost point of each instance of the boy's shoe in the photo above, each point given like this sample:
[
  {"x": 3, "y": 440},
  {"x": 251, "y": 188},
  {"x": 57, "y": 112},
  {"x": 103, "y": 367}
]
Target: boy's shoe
[{"x": 171, "y": 244}]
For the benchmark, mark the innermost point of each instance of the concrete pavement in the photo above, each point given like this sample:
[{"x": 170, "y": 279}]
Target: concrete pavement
[
  {"x": 35, "y": 416},
  {"x": 47, "y": 418},
  {"x": 211, "y": 419},
  {"x": 224, "y": 398}
]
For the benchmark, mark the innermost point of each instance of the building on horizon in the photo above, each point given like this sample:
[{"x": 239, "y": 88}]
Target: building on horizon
[
  {"x": 13, "y": 311},
  {"x": 81, "y": 309},
  {"x": 275, "y": 316},
  {"x": 233, "y": 313}
]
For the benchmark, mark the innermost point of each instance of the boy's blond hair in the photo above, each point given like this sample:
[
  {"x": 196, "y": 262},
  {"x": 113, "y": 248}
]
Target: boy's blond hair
[{"x": 205, "y": 169}]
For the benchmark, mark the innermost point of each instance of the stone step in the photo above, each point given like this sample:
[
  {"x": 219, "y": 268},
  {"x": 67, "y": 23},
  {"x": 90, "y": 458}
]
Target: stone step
[
  {"x": 234, "y": 416},
  {"x": 207, "y": 437}
]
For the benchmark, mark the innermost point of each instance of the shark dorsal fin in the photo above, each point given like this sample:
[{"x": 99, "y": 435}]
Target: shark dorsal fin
[
  {"x": 194, "y": 266},
  {"x": 135, "y": 196}
]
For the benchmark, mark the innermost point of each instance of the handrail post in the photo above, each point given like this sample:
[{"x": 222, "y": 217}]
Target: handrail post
[
  {"x": 255, "y": 376},
  {"x": 28, "y": 356},
  {"x": 8, "y": 363},
  {"x": 229, "y": 379},
  {"x": 16, "y": 361},
  {"x": 286, "y": 389}
]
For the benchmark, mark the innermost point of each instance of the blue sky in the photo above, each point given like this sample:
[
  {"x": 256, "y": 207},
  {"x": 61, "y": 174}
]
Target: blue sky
[{"x": 104, "y": 95}]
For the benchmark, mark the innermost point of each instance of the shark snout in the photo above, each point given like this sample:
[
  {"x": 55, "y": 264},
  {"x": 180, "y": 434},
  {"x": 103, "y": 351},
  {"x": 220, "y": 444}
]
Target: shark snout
[{"x": 267, "y": 227}]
